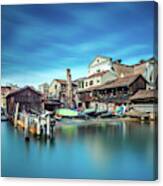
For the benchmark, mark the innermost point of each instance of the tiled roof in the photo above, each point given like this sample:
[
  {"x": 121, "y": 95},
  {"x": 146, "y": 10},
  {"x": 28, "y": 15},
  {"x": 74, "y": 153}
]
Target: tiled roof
[
  {"x": 121, "y": 82},
  {"x": 98, "y": 74},
  {"x": 144, "y": 94},
  {"x": 123, "y": 69},
  {"x": 61, "y": 81},
  {"x": 64, "y": 82}
]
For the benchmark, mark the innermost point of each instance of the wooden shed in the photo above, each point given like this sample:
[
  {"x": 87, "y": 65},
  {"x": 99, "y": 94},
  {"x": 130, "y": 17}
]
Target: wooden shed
[
  {"x": 145, "y": 100},
  {"x": 28, "y": 98}
]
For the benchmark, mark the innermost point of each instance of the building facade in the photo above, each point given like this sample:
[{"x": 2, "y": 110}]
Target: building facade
[
  {"x": 99, "y": 64},
  {"x": 99, "y": 72},
  {"x": 44, "y": 88},
  {"x": 57, "y": 88},
  {"x": 5, "y": 90}
]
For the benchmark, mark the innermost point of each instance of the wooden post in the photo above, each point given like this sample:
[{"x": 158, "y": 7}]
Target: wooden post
[
  {"x": 152, "y": 116},
  {"x": 38, "y": 126},
  {"x": 26, "y": 128},
  {"x": 16, "y": 114},
  {"x": 48, "y": 126},
  {"x": 142, "y": 118}
]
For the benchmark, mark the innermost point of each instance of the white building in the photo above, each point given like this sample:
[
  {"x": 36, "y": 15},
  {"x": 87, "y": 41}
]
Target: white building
[
  {"x": 100, "y": 71},
  {"x": 100, "y": 64}
]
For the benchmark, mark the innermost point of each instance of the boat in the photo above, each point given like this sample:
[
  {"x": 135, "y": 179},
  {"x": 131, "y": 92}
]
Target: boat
[
  {"x": 99, "y": 113},
  {"x": 107, "y": 115},
  {"x": 58, "y": 117},
  {"x": 90, "y": 112},
  {"x": 69, "y": 113},
  {"x": 3, "y": 115},
  {"x": 4, "y": 118}
]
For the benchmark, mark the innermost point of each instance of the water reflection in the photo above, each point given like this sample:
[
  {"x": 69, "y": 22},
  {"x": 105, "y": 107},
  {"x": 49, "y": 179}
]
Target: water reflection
[{"x": 104, "y": 150}]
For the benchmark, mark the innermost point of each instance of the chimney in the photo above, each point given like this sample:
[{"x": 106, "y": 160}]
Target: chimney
[
  {"x": 142, "y": 61},
  {"x": 69, "y": 88}
]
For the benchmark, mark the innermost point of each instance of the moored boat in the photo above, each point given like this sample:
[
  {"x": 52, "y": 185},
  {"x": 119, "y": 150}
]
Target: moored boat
[
  {"x": 69, "y": 113},
  {"x": 90, "y": 112},
  {"x": 4, "y": 118}
]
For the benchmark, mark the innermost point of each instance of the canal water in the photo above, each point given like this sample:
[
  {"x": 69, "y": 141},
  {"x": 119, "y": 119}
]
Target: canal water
[{"x": 102, "y": 151}]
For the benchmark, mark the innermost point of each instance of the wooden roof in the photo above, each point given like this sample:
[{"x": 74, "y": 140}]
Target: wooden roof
[
  {"x": 144, "y": 94},
  {"x": 22, "y": 89}
]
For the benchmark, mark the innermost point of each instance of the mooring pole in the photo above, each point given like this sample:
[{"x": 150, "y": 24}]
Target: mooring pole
[
  {"x": 26, "y": 128},
  {"x": 38, "y": 126},
  {"x": 16, "y": 115},
  {"x": 48, "y": 126}
]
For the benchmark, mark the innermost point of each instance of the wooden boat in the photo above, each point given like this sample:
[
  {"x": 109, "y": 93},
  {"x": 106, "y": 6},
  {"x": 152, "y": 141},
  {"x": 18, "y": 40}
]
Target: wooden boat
[
  {"x": 3, "y": 115},
  {"x": 58, "y": 117},
  {"x": 107, "y": 115},
  {"x": 99, "y": 113},
  {"x": 70, "y": 114},
  {"x": 90, "y": 112},
  {"x": 4, "y": 118}
]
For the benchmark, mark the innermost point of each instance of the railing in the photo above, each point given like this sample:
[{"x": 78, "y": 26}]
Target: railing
[{"x": 112, "y": 98}]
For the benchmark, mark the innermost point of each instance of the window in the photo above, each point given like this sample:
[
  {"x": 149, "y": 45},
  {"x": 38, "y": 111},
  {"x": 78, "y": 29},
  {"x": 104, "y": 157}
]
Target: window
[
  {"x": 98, "y": 71},
  {"x": 91, "y": 82},
  {"x": 55, "y": 86},
  {"x": 150, "y": 78},
  {"x": 86, "y": 84},
  {"x": 79, "y": 84},
  {"x": 82, "y": 84},
  {"x": 112, "y": 68},
  {"x": 98, "y": 81}
]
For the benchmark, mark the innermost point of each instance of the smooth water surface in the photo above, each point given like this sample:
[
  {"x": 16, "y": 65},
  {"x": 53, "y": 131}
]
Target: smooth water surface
[{"x": 101, "y": 151}]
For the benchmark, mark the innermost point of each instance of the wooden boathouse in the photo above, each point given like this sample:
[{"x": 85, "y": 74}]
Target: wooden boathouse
[
  {"x": 120, "y": 89},
  {"x": 28, "y": 98},
  {"x": 145, "y": 101}
]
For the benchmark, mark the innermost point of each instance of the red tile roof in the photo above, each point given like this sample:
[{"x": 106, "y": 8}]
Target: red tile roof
[
  {"x": 63, "y": 82},
  {"x": 98, "y": 74}
]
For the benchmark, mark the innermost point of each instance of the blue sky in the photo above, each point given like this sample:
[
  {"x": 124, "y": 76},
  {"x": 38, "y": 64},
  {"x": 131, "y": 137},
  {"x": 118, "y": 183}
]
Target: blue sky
[{"x": 40, "y": 41}]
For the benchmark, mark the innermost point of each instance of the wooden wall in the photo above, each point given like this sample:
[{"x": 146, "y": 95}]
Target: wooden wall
[{"x": 27, "y": 99}]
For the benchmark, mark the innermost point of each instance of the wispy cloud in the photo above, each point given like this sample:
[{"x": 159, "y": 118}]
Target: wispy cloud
[{"x": 40, "y": 41}]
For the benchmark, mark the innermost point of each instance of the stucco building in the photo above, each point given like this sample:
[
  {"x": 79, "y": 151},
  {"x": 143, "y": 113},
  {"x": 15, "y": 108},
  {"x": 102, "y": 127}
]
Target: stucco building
[
  {"x": 58, "y": 89},
  {"x": 44, "y": 88},
  {"x": 99, "y": 72}
]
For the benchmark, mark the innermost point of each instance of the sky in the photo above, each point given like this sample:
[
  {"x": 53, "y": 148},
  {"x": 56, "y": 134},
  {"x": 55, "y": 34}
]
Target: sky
[{"x": 40, "y": 41}]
